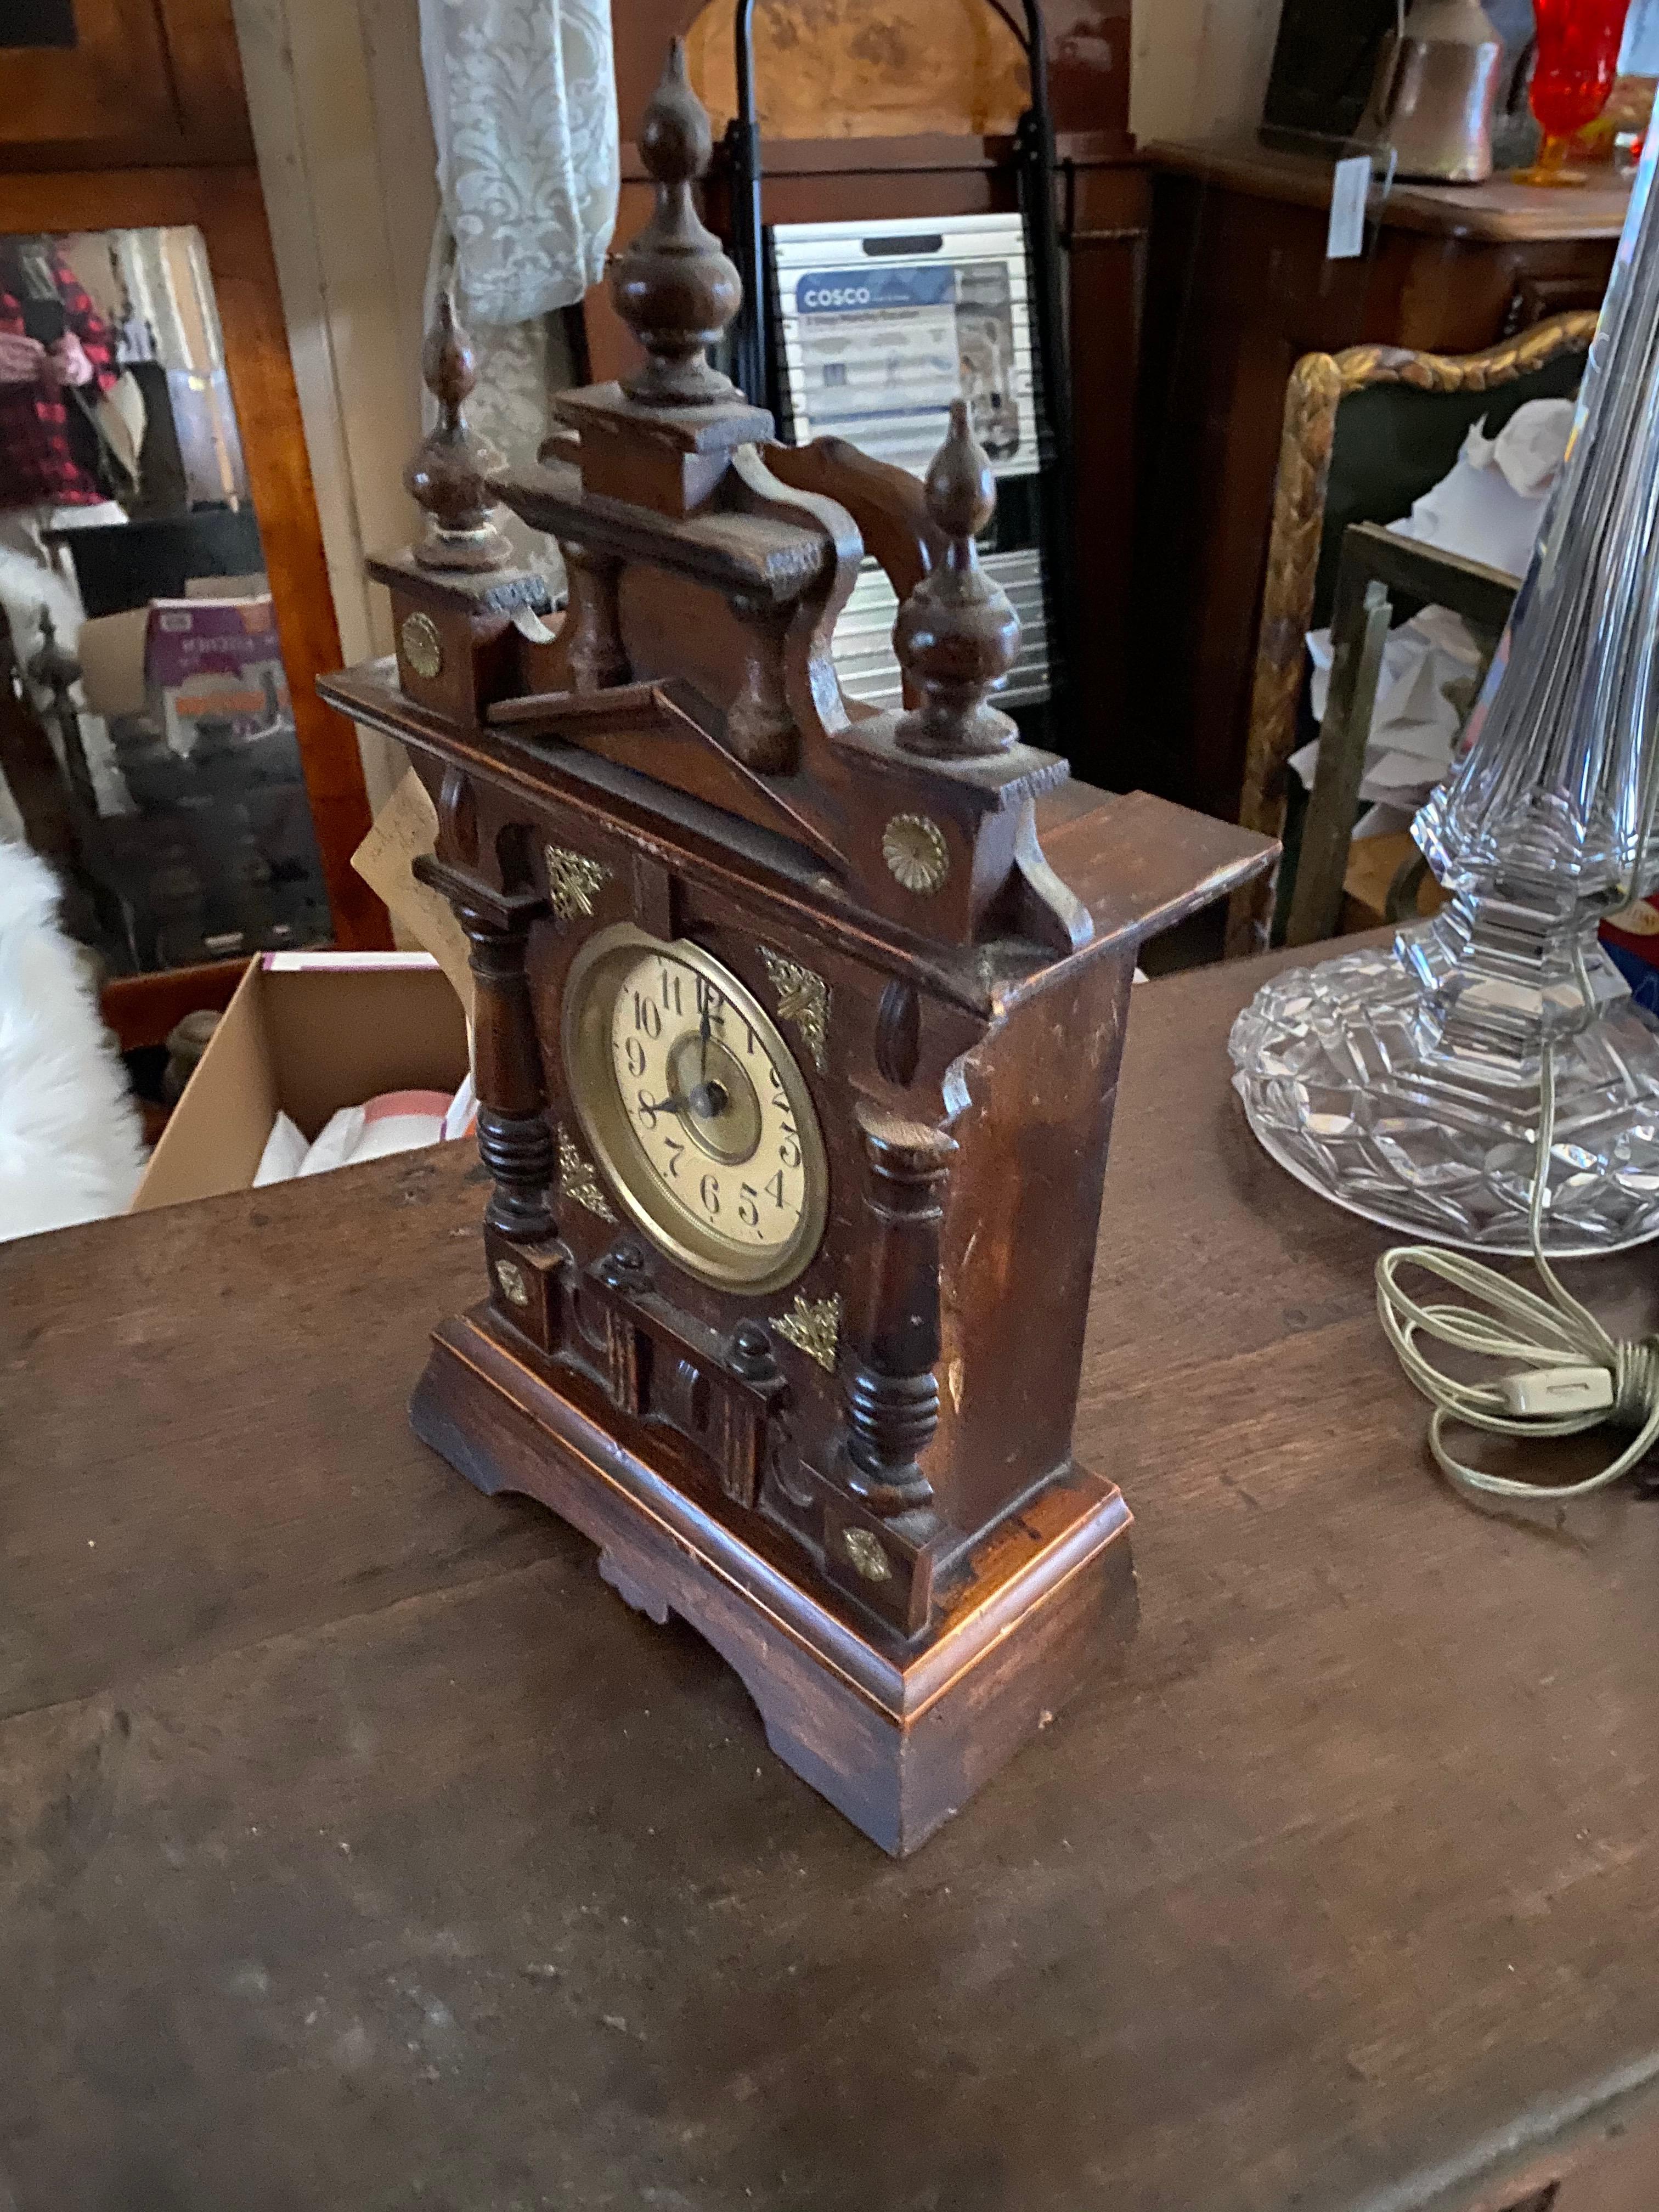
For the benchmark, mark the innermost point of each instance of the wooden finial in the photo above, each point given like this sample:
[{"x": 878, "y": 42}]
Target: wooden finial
[
  {"x": 673, "y": 287},
  {"x": 446, "y": 476},
  {"x": 53, "y": 667},
  {"x": 958, "y": 635}
]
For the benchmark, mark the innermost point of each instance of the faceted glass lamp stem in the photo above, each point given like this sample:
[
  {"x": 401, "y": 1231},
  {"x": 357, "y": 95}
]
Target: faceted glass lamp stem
[
  {"x": 1405, "y": 1084},
  {"x": 1544, "y": 827}
]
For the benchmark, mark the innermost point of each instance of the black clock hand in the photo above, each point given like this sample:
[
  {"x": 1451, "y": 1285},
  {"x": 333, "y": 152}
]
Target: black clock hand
[
  {"x": 706, "y": 1100},
  {"x": 703, "y": 1028}
]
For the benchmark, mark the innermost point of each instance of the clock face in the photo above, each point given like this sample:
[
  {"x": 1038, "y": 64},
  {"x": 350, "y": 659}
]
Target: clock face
[{"x": 695, "y": 1108}]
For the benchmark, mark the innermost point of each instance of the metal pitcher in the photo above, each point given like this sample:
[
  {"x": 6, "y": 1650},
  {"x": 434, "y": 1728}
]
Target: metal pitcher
[{"x": 1435, "y": 91}]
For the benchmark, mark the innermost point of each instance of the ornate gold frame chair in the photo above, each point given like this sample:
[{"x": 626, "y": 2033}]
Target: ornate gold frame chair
[{"x": 1319, "y": 384}]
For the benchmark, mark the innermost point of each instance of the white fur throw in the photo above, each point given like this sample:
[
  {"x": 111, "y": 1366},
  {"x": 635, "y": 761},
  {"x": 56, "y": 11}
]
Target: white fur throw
[
  {"x": 70, "y": 1143},
  {"x": 27, "y": 587}
]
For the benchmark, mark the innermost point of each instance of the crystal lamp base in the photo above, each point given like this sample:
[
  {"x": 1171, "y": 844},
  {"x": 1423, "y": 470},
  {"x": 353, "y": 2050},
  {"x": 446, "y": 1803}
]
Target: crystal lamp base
[{"x": 1342, "y": 1088}]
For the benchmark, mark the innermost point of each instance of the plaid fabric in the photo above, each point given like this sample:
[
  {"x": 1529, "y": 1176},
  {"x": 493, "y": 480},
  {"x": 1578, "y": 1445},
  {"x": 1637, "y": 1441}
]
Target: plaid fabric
[{"x": 39, "y": 464}]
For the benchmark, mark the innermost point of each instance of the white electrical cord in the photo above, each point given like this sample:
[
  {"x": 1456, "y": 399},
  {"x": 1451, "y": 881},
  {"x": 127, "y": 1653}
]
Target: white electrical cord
[{"x": 1574, "y": 1376}]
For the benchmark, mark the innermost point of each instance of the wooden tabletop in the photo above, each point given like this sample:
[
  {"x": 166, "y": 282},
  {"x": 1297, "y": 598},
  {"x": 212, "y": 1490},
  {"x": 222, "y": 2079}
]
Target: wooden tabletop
[
  {"x": 1500, "y": 209},
  {"x": 358, "y": 1848}
]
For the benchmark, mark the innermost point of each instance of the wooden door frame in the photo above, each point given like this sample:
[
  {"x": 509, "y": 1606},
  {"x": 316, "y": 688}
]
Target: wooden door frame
[{"x": 227, "y": 206}]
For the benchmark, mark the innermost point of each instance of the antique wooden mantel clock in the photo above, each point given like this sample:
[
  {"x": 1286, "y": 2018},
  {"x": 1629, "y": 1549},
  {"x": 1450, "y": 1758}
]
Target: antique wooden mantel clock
[{"x": 797, "y": 1032}]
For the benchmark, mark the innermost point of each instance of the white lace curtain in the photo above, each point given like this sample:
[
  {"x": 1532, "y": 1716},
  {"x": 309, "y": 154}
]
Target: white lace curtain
[{"x": 524, "y": 107}]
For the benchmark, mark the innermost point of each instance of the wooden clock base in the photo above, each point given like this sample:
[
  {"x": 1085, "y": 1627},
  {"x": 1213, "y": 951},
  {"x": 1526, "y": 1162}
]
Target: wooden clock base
[{"x": 897, "y": 1736}]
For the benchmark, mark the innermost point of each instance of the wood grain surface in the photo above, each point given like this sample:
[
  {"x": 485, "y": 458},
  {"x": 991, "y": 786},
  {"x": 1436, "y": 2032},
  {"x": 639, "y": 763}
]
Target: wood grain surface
[
  {"x": 1502, "y": 207},
  {"x": 864, "y": 69},
  {"x": 358, "y": 1848}
]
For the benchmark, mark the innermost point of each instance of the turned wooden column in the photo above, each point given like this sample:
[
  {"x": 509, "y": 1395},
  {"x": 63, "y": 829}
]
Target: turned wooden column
[
  {"x": 759, "y": 727},
  {"x": 598, "y": 658},
  {"x": 891, "y": 1392},
  {"x": 515, "y": 1141}
]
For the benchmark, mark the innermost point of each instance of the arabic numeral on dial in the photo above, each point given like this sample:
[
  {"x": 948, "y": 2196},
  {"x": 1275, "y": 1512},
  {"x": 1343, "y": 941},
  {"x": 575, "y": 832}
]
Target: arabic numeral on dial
[
  {"x": 676, "y": 1154},
  {"x": 749, "y": 1207},
  {"x": 789, "y": 1146},
  {"x": 647, "y": 1111},
  {"x": 774, "y": 1191},
  {"x": 646, "y": 1015},
  {"x": 672, "y": 1001},
  {"x": 634, "y": 1053},
  {"x": 711, "y": 1000},
  {"x": 708, "y": 1195}
]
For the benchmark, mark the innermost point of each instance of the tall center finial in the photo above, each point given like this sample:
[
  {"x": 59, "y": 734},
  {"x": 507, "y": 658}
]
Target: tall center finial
[{"x": 673, "y": 287}]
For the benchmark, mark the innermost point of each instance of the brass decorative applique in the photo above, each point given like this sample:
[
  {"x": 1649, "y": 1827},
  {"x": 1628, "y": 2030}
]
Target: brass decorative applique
[
  {"x": 813, "y": 1329},
  {"x": 803, "y": 999},
  {"x": 916, "y": 853},
  {"x": 577, "y": 1179},
  {"x": 867, "y": 1555},
  {"x": 423, "y": 649},
  {"x": 573, "y": 883},
  {"x": 512, "y": 1282}
]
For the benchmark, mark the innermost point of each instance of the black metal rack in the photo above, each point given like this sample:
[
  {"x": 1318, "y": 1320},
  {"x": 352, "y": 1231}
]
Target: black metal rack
[{"x": 1036, "y": 164}]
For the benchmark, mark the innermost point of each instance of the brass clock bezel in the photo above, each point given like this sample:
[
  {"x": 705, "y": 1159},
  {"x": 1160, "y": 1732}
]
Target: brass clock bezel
[{"x": 585, "y": 1041}]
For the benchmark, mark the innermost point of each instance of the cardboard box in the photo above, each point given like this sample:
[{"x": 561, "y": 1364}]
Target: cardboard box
[
  {"x": 214, "y": 660},
  {"x": 110, "y": 651},
  {"x": 227, "y": 587},
  {"x": 114, "y": 649},
  {"x": 308, "y": 1032}
]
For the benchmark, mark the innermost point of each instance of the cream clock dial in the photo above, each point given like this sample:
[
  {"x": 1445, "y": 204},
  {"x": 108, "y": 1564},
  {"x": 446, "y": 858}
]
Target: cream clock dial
[{"x": 695, "y": 1108}]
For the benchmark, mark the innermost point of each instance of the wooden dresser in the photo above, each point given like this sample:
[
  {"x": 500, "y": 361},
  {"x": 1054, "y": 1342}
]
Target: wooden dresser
[{"x": 1238, "y": 289}]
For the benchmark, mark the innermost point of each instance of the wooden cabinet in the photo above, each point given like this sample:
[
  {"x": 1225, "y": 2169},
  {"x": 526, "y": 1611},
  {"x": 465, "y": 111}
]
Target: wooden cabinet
[
  {"x": 97, "y": 82},
  {"x": 1239, "y": 287}
]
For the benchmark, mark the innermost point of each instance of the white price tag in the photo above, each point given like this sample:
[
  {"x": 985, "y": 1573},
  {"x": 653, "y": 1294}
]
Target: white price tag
[{"x": 1350, "y": 181}]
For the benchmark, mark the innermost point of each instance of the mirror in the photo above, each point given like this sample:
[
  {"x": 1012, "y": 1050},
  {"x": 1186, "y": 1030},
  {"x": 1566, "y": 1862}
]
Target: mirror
[{"x": 147, "y": 739}]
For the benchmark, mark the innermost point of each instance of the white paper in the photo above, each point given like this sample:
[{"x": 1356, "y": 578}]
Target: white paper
[
  {"x": 1487, "y": 508},
  {"x": 1491, "y": 505},
  {"x": 1429, "y": 666},
  {"x": 283, "y": 1155},
  {"x": 1350, "y": 182}
]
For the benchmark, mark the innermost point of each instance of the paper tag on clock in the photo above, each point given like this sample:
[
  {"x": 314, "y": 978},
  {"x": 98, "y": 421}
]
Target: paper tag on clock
[
  {"x": 1350, "y": 182},
  {"x": 406, "y": 826}
]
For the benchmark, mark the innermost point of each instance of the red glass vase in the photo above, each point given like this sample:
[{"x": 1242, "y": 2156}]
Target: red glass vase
[{"x": 1578, "y": 43}]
